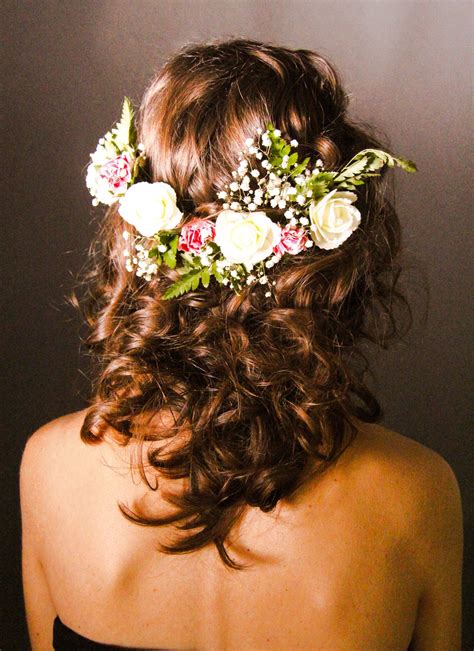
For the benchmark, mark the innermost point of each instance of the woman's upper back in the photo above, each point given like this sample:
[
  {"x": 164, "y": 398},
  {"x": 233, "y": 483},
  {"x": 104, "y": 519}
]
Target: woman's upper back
[{"x": 365, "y": 556}]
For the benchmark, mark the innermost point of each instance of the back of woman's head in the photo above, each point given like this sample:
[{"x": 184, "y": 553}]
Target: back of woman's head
[{"x": 259, "y": 387}]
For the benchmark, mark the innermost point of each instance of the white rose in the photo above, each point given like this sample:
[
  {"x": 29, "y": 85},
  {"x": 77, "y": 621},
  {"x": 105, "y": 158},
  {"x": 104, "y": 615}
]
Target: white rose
[
  {"x": 333, "y": 219},
  {"x": 150, "y": 207},
  {"x": 245, "y": 237}
]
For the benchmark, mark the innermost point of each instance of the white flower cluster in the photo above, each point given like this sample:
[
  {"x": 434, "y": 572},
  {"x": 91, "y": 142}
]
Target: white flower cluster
[
  {"x": 138, "y": 259},
  {"x": 251, "y": 188}
]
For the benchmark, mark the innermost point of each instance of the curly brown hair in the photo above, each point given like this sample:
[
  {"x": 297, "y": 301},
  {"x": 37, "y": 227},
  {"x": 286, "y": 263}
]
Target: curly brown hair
[{"x": 263, "y": 392}]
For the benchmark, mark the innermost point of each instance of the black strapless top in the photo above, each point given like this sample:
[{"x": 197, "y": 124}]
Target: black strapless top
[{"x": 65, "y": 639}]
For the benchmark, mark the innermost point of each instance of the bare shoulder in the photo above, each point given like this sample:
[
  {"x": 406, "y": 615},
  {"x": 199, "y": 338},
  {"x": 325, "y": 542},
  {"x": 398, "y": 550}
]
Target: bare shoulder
[
  {"x": 417, "y": 481},
  {"x": 419, "y": 491},
  {"x": 52, "y": 437},
  {"x": 379, "y": 444},
  {"x": 406, "y": 463},
  {"x": 43, "y": 471},
  {"x": 46, "y": 451},
  {"x": 62, "y": 427}
]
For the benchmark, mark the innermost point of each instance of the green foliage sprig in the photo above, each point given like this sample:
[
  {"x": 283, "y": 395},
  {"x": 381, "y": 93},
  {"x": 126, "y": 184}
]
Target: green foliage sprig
[
  {"x": 123, "y": 138},
  {"x": 365, "y": 163},
  {"x": 125, "y": 133}
]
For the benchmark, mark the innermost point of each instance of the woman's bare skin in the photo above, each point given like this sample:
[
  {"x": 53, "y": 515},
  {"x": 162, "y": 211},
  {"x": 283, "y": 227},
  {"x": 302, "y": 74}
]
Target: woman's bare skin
[{"x": 367, "y": 556}]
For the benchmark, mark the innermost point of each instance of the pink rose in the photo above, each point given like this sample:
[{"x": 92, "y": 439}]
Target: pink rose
[
  {"x": 195, "y": 234},
  {"x": 292, "y": 240},
  {"x": 118, "y": 172}
]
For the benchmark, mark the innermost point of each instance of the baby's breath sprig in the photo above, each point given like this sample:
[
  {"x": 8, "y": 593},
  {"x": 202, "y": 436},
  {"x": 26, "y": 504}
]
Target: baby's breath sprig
[{"x": 268, "y": 174}]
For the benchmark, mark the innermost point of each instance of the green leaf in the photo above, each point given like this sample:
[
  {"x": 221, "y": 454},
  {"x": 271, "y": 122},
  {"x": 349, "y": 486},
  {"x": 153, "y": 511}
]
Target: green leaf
[
  {"x": 374, "y": 164},
  {"x": 155, "y": 255},
  {"x": 319, "y": 184},
  {"x": 169, "y": 239},
  {"x": 319, "y": 191},
  {"x": 354, "y": 169},
  {"x": 125, "y": 134},
  {"x": 276, "y": 162},
  {"x": 195, "y": 279},
  {"x": 188, "y": 281},
  {"x": 219, "y": 277},
  {"x": 205, "y": 277},
  {"x": 372, "y": 159},
  {"x": 173, "y": 243},
  {"x": 293, "y": 159},
  {"x": 169, "y": 258},
  {"x": 407, "y": 165},
  {"x": 300, "y": 167},
  {"x": 138, "y": 165},
  {"x": 191, "y": 259},
  {"x": 214, "y": 246},
  {"x": 318, "y": 179}
]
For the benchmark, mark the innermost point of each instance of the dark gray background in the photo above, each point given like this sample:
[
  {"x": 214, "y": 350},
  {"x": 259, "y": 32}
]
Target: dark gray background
[{"x": 67, "y": 66}]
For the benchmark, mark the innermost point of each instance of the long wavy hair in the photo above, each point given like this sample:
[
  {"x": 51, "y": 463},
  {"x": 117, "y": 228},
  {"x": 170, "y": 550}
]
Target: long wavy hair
[{"x": 262, "y": 393}]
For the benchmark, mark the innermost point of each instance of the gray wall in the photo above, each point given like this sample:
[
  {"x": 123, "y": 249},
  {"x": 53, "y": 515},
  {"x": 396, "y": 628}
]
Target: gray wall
[{"x": 67, "y": 66}]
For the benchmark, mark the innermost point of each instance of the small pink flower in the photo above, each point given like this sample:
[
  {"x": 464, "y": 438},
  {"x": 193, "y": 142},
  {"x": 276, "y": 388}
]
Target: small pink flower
[
  {"x": 118, "y": 172},
  {"x": 195, "y": 234},
  {"x": 292, "y": 240}
]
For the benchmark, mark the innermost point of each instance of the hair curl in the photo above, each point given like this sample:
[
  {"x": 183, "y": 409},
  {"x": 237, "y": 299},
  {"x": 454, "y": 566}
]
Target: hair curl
[{"x": 259, "y": 389}]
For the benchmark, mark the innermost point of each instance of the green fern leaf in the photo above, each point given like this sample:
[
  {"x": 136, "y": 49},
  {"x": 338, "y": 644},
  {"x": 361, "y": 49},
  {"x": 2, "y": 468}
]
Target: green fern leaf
[
  {"x": 189, "y": 280},
  {"x": 407, "y": 165},
  {"x": 169, "y": 258},
  {"x": 354, "y": 169},
  {"x": 195, "y": 279},
  {"x": 173, "y": 243},
  {"x": 218, "y": 276},
  {"x": 205, "y": 277},
  {"x": 374, "y": 159},
  {"x": 125, "y": 133},
  {"x": 299, "y": 168}
]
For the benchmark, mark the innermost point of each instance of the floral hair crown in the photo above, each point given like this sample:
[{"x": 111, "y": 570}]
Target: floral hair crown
[{"x": 316, "y": 208}]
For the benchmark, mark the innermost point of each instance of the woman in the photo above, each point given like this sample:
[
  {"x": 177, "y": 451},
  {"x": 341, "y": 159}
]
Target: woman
[{"x": 247, "y": 250}]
